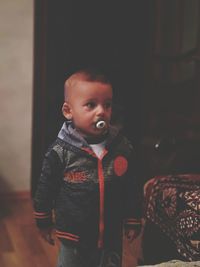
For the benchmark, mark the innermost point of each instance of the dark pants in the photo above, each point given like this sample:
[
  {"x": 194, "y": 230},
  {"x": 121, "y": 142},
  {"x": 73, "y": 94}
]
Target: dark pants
[{"x": 71, "y": 256}]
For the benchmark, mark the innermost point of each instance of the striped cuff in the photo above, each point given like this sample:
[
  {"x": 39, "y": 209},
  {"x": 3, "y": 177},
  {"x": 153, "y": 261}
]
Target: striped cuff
[
  {"x": 66, "y": 235},
  {"x": 42, "y": 215},
  {"x": 43, "y": 219}
]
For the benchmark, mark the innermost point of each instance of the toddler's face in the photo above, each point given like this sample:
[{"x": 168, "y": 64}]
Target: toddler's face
[{"x": 89, "y": 102}]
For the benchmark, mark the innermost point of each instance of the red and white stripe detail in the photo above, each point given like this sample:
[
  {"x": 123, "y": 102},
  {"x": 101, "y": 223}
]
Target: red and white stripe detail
[
  {"x": 42, "y": 215},
  {"x": 66, "y": 235}
]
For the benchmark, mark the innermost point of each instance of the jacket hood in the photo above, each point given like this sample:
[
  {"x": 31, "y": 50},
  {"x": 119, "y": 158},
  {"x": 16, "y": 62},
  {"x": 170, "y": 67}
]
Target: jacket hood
[{"x": 71, "y": 136}]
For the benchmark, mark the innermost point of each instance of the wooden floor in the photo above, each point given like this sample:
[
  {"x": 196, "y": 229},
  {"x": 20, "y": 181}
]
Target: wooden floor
[{"x": 21, "y": 246}]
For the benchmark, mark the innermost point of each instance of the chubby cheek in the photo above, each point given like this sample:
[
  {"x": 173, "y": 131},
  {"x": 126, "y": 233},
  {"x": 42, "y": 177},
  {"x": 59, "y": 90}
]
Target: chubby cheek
[
  {"x": 109, "y": 112},
  {"x": 108, "y": 116},
  {"x": 84, "y": 120}
]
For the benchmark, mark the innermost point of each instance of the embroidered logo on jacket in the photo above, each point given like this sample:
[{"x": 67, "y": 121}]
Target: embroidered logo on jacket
[
  {"x": 120, "y": 165},
  {"x": 75, "y": 177}
]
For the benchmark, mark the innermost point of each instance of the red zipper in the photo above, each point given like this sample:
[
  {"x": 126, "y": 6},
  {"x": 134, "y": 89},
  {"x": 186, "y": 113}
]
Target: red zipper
[
  {"x": 101, "y": 194},
  {"x": 101, "y": 202}
]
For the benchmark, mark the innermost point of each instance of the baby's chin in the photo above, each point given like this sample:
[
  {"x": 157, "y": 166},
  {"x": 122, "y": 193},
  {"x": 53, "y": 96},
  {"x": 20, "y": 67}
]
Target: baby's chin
[
  {"x": 95, "y": 136},
  {"x": 95, "y": 139}
]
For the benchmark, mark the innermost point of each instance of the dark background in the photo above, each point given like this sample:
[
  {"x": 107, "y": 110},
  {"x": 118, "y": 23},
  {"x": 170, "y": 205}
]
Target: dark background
[{"x": 143, "y": 46}]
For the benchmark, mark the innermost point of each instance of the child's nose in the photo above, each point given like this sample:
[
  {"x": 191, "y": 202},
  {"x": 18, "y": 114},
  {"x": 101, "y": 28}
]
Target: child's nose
[{"x": 100, "y": 110}]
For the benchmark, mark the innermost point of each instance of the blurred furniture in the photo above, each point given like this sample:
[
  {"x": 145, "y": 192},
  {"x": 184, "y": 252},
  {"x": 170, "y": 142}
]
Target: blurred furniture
[{"x": 172, "y": 214}]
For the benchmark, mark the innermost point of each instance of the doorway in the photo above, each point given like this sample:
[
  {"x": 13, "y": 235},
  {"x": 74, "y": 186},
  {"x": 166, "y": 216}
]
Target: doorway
[{"x": 73, "y": 34}]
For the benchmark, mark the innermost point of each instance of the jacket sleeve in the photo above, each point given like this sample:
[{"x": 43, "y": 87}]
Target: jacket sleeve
[
  {"x": 47, "y": 189},
  {"x": 133, "y": 194}
]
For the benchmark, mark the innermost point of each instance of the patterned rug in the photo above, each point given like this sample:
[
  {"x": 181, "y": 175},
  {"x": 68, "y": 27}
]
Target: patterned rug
[
  {"x": 175, "y": 263},
  {"x": 173, "y": 204}
]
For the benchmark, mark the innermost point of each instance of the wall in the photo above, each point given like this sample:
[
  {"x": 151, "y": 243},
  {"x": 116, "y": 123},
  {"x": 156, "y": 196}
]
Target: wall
[{"x": 16, "y": 53}]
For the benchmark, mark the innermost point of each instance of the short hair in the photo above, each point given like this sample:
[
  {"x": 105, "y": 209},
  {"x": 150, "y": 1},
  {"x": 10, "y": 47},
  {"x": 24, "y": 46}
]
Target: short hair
[{"x": 89, "y": 74}]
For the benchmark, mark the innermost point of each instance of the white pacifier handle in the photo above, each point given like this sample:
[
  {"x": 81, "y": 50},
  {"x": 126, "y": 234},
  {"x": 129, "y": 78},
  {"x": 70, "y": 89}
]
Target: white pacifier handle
[{"x": 100, "y": 124}]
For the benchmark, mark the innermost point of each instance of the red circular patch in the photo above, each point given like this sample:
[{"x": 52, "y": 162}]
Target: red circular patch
[{"x": 120, "y": 165}]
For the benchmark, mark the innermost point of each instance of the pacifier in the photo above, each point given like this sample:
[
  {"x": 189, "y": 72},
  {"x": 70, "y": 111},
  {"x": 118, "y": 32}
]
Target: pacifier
[{"x": 100, "y": 124}]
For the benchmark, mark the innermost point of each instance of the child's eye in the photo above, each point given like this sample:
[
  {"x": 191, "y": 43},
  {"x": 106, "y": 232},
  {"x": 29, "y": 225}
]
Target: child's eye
[
  {"x": 90, "y": 105},
  {"x": 108, "y": 105}
]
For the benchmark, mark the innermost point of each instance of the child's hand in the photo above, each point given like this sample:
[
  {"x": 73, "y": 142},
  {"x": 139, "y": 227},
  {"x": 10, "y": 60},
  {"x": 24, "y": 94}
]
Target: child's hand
[
  {"x": 47, "y": 235},
  {"x": 131, "y": 234}
]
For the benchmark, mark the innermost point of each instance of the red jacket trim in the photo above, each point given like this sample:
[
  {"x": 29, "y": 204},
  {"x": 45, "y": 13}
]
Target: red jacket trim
[
  {"x": 66, "y": 235},
  {"x": 42, "y": 215}
]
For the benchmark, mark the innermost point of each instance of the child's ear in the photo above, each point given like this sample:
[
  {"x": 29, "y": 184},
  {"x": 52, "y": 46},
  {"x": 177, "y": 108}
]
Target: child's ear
[{"x": 66, "y": 110}]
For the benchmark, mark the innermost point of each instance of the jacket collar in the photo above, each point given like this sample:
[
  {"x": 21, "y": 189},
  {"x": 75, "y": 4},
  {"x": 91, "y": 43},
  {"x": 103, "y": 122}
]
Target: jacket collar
[{"x": 71, "y": 136}]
